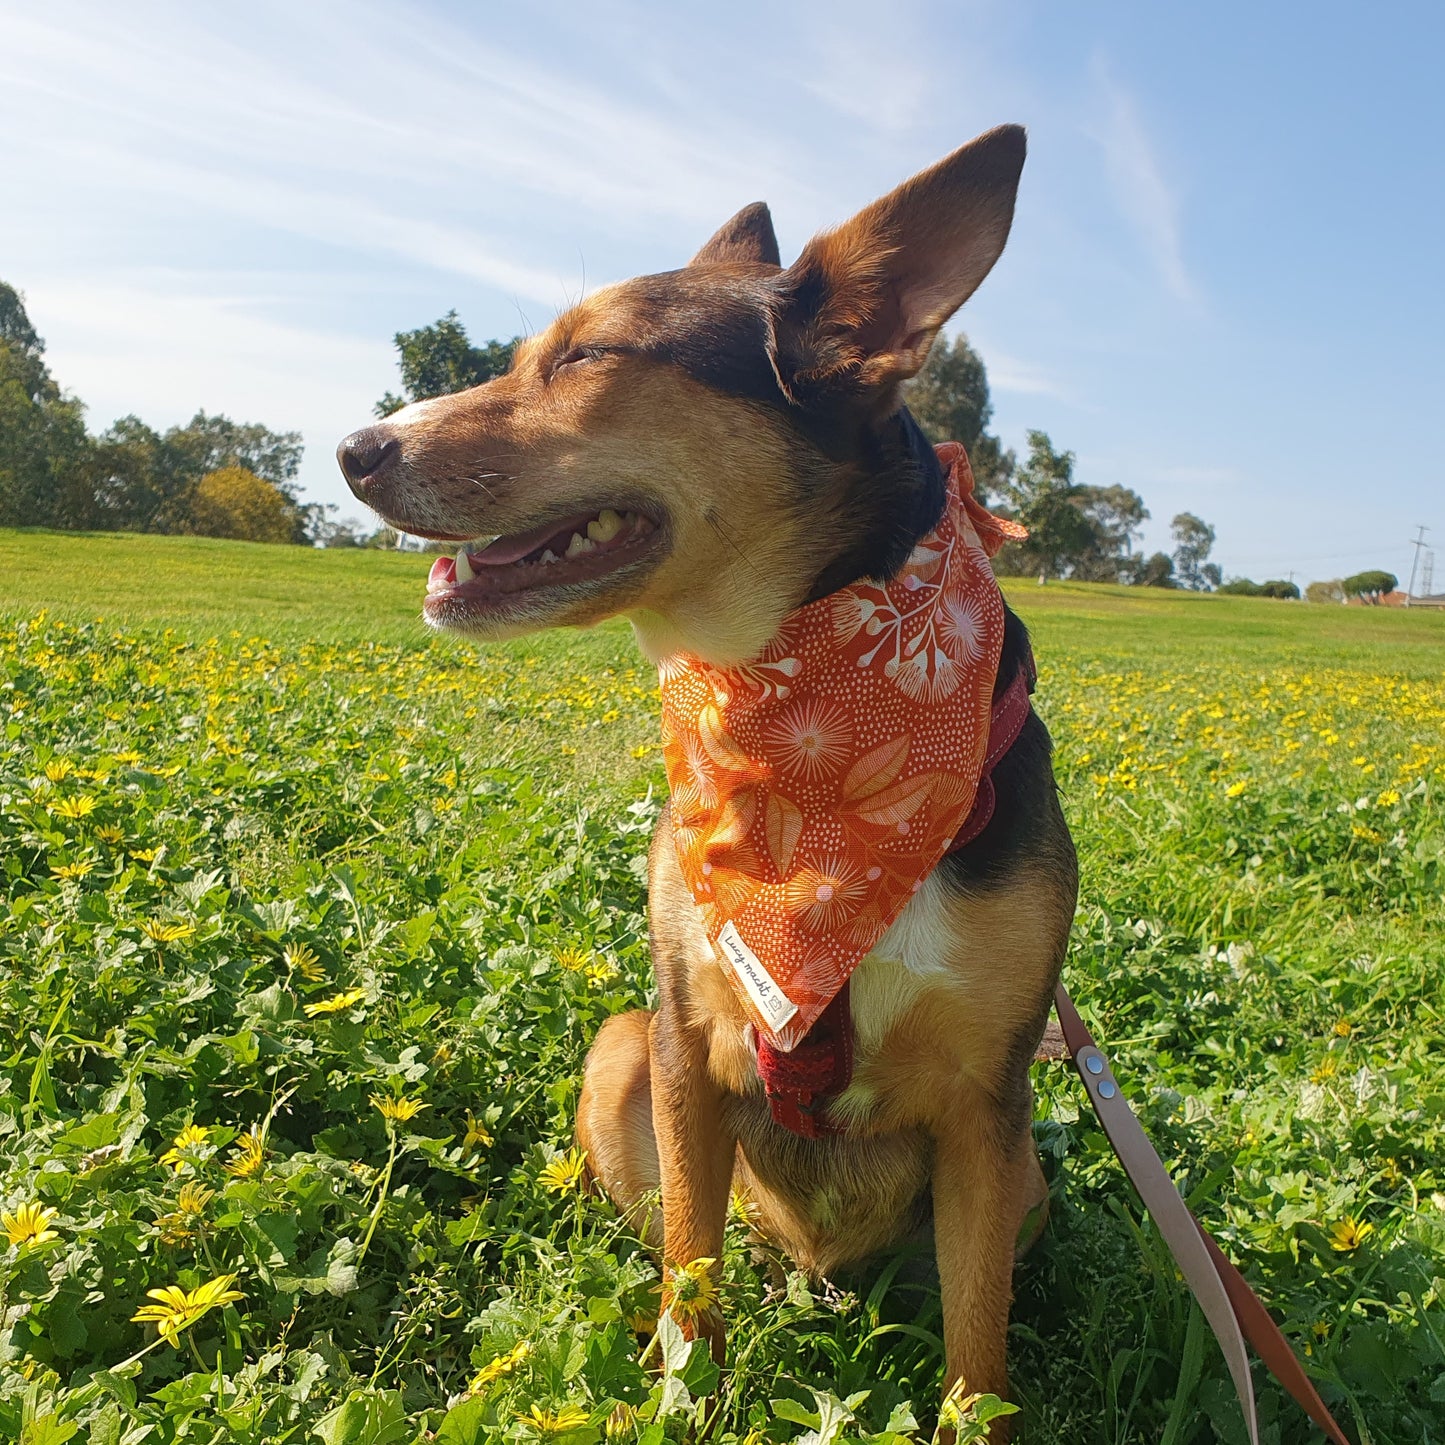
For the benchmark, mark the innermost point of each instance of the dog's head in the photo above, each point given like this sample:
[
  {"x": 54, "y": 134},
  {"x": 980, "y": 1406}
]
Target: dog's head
[{"x": 706, "y": 449}]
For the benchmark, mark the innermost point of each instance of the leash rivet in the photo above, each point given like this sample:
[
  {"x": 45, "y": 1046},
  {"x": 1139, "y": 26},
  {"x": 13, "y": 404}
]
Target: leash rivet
[
  {"x": 1094, "y": 1064},
  {"x": 1107, "y": 1089}
]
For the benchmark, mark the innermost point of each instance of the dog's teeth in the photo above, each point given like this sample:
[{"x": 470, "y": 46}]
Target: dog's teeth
[
  {"x": 579, "y": 545},
  {"x": 606, "y": 527},
  {"x": 463, "y": 570},
  {"x": 549, "y": 556}
]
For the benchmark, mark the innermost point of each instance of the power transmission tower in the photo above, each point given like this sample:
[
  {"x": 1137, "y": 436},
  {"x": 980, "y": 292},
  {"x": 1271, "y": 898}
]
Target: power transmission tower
[
  {"x": 1419, "y": 542},
  {"x": 1427, "y": 575}
]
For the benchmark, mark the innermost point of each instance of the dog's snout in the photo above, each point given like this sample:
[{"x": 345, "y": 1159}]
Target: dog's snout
[{"x": 366, "y": 455}]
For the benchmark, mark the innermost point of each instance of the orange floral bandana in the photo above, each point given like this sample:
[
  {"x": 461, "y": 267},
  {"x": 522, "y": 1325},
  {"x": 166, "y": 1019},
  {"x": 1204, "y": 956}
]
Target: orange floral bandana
[{"x": 816, "y": 787}]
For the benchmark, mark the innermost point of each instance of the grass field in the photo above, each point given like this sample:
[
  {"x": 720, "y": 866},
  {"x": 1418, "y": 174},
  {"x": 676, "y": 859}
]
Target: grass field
[{"x": 309, "y": 917}]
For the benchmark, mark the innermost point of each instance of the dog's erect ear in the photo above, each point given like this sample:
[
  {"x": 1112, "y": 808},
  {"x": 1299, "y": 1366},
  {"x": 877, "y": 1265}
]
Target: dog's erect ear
[
  {"x": 747, "y": 237},
  {"x": 861, "y": 306}
]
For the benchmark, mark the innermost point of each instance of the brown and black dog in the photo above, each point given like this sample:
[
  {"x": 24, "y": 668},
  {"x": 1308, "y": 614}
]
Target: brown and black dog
[{"x": 704, "y": 451}]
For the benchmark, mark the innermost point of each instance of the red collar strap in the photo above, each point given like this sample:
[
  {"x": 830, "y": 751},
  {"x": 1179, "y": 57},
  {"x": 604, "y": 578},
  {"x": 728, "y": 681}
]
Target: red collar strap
[{"x": 802, "y": 1083}]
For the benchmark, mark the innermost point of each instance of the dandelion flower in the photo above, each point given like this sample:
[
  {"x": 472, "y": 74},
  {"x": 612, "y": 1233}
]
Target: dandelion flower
[
  {"x": 573, "y": 959},
  {"x": 493, "y": 1371},
  {"x": 145, "y": 855},
  {"x": 692, "y": 1290},
  {"x": 74, "y": 808},
  {"x": 1235, "y": 789},
  {"x": 1344, "y": 1028},
  {"x": 397, "y": 1111},
  {"x": 58, "y": 769},
  {"x": 193, "y": 1198},
  {"x": 108, "y": 834},
  {"x": 177, "y": 1309},
  {"x": 622, "y": 1422},
  {"x": 563, "y": 1173},
  {"x": 185, "y": 1145},
  {"x": 302, "y": 959},
  {"x": 555, "y": 1422},
  {"x": 1349, "y": 1234},
  {"x": 478, "y": 1137},
  {"x": 600, "y": 972},
  {"x": 159, "y": 931},
  {"x": 248, "y": 1156},
  {"x": 70, "y": 871},
  {"x": 337, "y": 1003},
  {"x": 30, "y": 1224}
]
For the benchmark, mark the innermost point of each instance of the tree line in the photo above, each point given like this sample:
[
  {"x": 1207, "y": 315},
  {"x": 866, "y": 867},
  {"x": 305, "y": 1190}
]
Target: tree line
[{"x": 212, "y": 477}]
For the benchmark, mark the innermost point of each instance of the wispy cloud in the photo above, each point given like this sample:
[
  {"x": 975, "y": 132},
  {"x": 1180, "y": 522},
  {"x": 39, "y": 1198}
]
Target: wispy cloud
[{"x": 1141, "y": 189}]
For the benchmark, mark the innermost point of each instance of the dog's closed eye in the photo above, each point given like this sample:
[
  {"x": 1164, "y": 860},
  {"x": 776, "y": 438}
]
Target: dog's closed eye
[{"x": 580, "y": 355}]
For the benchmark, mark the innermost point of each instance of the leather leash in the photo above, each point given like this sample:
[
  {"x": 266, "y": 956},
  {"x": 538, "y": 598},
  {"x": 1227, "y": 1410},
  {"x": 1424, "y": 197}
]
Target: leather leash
[{"x": 1232, "y": 1308}]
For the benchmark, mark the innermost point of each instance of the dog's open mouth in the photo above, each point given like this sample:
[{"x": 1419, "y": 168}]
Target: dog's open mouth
[{"x": 579, "y": 549}]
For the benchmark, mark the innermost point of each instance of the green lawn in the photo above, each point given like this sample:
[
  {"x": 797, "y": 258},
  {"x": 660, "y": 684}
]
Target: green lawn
[{"x": 276, "y": 856}]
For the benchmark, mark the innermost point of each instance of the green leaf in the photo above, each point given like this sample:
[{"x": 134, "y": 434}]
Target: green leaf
[{"x": 366, "y": 1417}]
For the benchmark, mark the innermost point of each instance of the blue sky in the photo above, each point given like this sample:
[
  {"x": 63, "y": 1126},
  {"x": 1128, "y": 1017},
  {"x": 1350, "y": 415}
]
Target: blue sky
[{"x": 1223, "y": 289}]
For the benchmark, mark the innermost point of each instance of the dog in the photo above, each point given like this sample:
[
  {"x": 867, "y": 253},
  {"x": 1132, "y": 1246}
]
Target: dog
[{"x": 707, "y": 452}]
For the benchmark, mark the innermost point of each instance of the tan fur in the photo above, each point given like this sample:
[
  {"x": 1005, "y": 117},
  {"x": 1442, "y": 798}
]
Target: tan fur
[{"x": 950, "y": 1004}]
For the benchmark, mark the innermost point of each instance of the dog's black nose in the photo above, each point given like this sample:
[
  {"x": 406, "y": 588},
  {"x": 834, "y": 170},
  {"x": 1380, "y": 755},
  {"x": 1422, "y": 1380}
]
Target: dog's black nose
[{"x": 366, "y": 455}]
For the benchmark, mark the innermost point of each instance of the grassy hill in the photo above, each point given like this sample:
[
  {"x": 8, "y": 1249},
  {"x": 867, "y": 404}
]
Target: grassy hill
[{"x": 310, "y": 914}]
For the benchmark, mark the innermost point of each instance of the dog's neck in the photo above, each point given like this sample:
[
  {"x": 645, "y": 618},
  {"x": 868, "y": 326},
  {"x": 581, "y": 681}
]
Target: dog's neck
[
  {"x": 902, "y": 496},
  {"x": 895, "y": 496}
]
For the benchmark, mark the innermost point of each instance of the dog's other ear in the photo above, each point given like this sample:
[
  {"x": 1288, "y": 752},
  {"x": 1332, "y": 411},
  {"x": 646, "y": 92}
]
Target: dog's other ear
[
  {"x": 747, "y": 237},
  {"x": 861, "y": 306}
]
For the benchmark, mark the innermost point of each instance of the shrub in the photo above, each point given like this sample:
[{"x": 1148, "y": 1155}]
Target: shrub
[{"x": 238, "y": 504}]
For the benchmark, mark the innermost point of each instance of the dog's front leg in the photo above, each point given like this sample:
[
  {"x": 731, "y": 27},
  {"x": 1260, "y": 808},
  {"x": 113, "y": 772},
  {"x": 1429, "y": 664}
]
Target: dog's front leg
[
  {"x": 980, "y": 1171},
  {"x": 695, "y": 1154}
]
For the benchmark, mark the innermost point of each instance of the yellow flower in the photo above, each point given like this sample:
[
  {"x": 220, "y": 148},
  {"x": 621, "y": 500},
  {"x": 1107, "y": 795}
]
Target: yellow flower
[
  {"x": 159, "y": 931},
  {"x": 1324, "y": 1070},
  {"x": 30, "y": 1224},
  {"x": 248, "y": 1156},
  {"x": 1235, "y": 789},
  {"x": 74, "y": 807},
  {"x": 573, "y": 959},
  {"x": 177, "y": 1309},
  {"x": 58, "y": 769},
  {"x": 600, "y": 972},
  {"x": 1387, "y": 799},
  {"x": 337, "y": 1003},
  {"x": 1344, "y": 1028},
  {"x": 194, "y": 1197},
  {"x": 301, "y": 958},
  {"x": 692, "y": 1290},
  {"x": 107, "y": 834},
  {"x": 397, "y": 1111},
  {"x": 478, "y": 1137},
  {"x": 555, "y": 1422},
  {"x": 564, "y": 1172},
  {"x": 73, "y": 870},
  {"x": 1349, "y": 1234},
  {"x": 493, "y": 1371},
  {"x": 622, "y": 1422},
  {"x": 185, "y": 1145},
  {"x": 145, "y": 855}
]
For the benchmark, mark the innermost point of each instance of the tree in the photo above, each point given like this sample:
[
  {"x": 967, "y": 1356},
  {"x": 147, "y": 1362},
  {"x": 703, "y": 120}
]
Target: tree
[
  {"x": 949, "y": 399},
  {"x": 1116, "y": 514},
  {"x": 44, "y": 448},
  {"x": 236, "y": 503},
  {"x": 1276, "y": 587},
  {"x": 1043, "y": 495},
  {"x": 1370, "y": 586},
  {"x": 1156, "y": 570},
  {"x": 439, "y": 359},
  {"x": 1331, "y": 591},
  {"x": 1193, "y": 541}
]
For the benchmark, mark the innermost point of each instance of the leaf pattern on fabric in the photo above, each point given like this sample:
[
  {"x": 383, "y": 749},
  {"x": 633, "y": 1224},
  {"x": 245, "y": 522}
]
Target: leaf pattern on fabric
[{"x": 815, "y": 787}]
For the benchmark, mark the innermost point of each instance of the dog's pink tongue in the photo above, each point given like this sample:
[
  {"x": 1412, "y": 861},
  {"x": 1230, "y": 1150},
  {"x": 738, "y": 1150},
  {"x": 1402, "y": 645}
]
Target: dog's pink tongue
[
  {"x": 506, "y": 550},
  {"x": 441, "y": 571}
]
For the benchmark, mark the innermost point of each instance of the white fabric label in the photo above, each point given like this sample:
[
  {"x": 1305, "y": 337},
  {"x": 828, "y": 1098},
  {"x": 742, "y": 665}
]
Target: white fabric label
[{"x": 774, "y": 1005}]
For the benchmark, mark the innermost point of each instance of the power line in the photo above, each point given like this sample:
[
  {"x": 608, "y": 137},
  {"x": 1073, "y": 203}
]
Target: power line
[{"x": 1418, "y": 541}]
